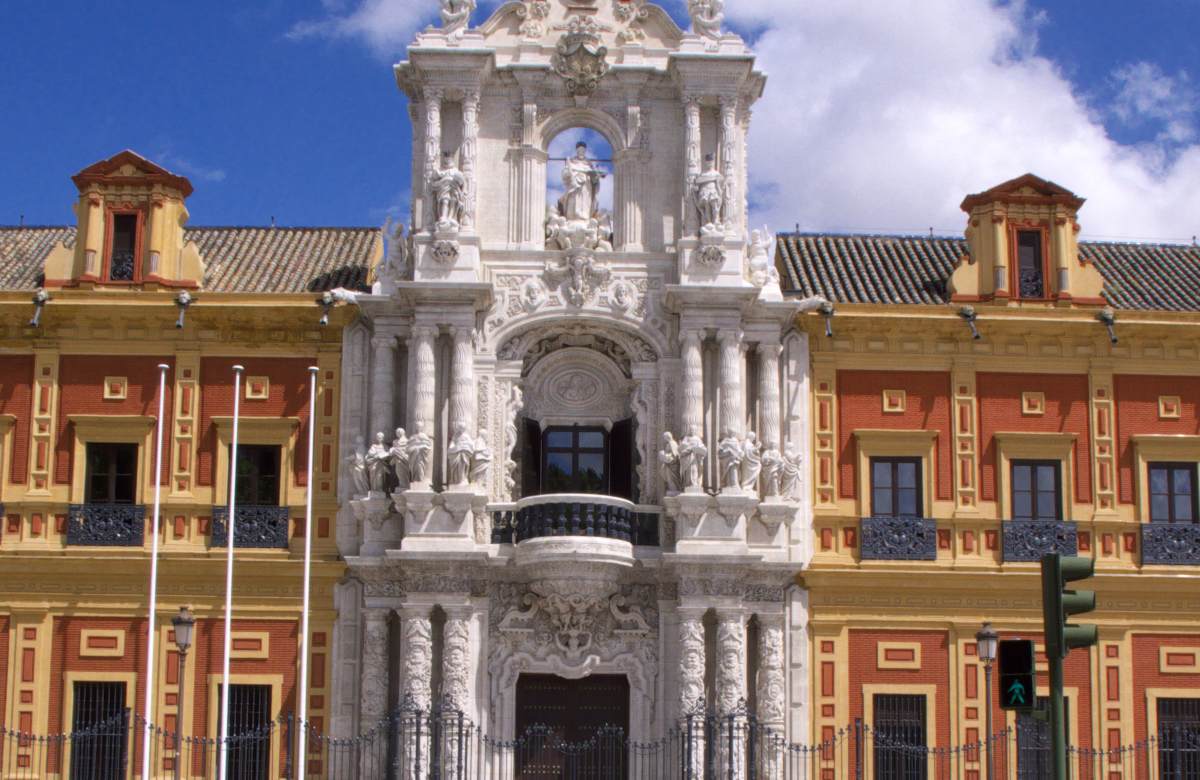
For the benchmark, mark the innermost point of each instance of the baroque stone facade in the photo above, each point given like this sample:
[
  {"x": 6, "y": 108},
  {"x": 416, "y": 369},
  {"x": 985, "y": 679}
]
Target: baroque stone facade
[{"x": 597, "y": 411}]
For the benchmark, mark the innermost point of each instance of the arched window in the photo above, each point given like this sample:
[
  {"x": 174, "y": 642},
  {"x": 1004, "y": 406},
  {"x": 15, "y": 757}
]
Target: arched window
[{"x": 579, "y": 191}]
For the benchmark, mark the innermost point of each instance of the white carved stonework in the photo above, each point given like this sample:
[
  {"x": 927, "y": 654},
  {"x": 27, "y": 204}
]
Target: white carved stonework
[
  {"x": 731, "y": 661},
  {"x": 771, "y": 687},
  {"x": 375, "y": 666},
  {"x": 456, "y": 661},
  {"x": 707, "y": 17},
  {"x": 580, "y": 272},
  {"x": 580, "y": 57},
  {"x": 577, "y": 384},
  {"x": 456, "y": 14}
]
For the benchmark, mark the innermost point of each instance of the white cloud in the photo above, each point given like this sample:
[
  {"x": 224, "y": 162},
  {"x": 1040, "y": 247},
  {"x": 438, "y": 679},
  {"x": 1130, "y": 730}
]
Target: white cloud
[
  {"x": 1146, "y": 95},
  {"x": 385, "y": 25},
  {"x": 882, "y": 116},
  {"x": 174, "y": 162}
]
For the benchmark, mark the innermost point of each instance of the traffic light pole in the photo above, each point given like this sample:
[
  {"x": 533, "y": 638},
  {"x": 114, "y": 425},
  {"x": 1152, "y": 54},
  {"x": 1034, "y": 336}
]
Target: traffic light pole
[{"x": 1058, "y": 731}]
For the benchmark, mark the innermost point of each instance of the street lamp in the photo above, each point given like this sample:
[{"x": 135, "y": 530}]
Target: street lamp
[
  {"x": 184, "y": 622},
  {"x": 985, "y": 646}
]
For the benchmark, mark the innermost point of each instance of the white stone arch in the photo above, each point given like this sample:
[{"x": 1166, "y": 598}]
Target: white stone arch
[
  {"x": 642, "y": 344},
  {"x": 588, "y": 118},
  {"x": 576, "y": 385}
]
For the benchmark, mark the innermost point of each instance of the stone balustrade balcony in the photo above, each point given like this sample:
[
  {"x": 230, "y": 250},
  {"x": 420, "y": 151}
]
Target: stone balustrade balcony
[
  {"x": 898, "y": 539},
  {"x": 570, "y": 514},
  {"x": 1171, "y": 544},
  {"x": 106, "y": 525},
  {"x": 1026, "y": 541},
  {"x": 258, "y": 527}
]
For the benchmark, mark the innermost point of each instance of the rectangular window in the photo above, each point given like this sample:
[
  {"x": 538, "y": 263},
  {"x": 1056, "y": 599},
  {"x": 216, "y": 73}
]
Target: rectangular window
[
  {"x": 1173, "y": 493},
  {"x": 575, "y": 460},
  {"x": 111, "y": 473},
  {"x": 249, "y": 753},
  {"x": 1037, "y": 490},
  {"x": 99, "y": 721},
  {"x": 896, "y": 487},
  {"x": 122, "y": 256},
  {"x": 1031, "y": 282},
  {"x": 1179, "y": 738},
  {"x": 900, "y": 749},
  {"x": 258, "y": 475}
]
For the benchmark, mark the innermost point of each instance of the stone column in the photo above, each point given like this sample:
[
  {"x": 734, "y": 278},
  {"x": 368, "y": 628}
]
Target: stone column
[
  {"x": 468, "y": 153},
  {"x": 770, "y": 422},
  {"x": 416, "y": 691},
  {"x": 732, "y": 406},
  {"x": 691, "y": 142},
  {"x": 432, "y": 97},
  {"x": 457, "y": 704},
  {"x": 383, "y": 385},
  {"x": 693, "y": 384},
  {"x": 462, "y": 380},
  {"x": 629, "y": 200},
  {"x": 731, "y": 693},
  {"x": 424, "y": 374},
  {"x": 729, "y": 159},
  {"x": 374, "y": 684},
  {"x": 771, "y": 689},
  {"x": 691, "y": 688}
]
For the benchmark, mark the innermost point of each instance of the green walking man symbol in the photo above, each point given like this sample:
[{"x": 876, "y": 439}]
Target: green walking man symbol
[{"x": 1016, "y": 693}]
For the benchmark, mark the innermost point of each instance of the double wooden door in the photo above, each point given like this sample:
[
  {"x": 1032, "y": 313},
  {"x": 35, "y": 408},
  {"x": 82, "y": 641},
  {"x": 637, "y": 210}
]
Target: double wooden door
[{"x": 572, "y": 728}]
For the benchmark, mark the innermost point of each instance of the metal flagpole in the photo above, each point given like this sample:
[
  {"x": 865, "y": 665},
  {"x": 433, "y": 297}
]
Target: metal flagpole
[
  {"x": 231, "y": 523},
  {"x": 302, "y": 743},
  {"x": 148, "y": 710}
]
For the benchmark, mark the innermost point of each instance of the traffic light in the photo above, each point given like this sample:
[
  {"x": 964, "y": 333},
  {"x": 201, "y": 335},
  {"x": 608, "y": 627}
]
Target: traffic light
[
  {"x": 1018, "y": 675},
  {"x": 1059, "y": 604}
]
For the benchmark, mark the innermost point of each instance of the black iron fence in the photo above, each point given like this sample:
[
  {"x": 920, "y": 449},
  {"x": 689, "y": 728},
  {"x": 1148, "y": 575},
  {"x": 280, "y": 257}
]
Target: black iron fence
[{"x": 415, "y": 745}]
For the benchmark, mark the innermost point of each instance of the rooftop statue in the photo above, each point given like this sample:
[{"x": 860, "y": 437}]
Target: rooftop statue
[
  {"x": 456, "y": 14},
  {"x": 707, "y": 17}
]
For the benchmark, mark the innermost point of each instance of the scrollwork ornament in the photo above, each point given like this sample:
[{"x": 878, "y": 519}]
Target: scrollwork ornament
[
  {"x": 710, "y": 256},
  {"x": 445, "y": 251}
]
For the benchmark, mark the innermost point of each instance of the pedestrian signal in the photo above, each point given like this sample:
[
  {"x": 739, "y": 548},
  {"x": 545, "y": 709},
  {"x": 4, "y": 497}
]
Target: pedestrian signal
[{"x": 1018, "y": 674}]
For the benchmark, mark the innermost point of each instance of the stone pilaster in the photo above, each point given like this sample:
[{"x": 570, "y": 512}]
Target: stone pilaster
[
  {"x": 468, "y": 154},
  {"x": 383, "y": 384},
  {"x": 432, "y": 98},
  {"x": 691, "y": 688},
  {"x": 692, "y": 153},
  {"x": 416, "y": 691},
  {"x": 374, "y": 667},
  {"x": 731, "y": 691},
  {"x": 729, "y": 162}
]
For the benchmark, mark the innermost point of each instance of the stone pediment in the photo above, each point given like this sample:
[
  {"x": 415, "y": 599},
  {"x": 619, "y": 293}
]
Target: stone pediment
[{"x": 618, "y": 23}]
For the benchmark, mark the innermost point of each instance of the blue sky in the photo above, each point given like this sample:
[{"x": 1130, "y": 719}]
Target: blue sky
[{"x": 288, "y": 109}]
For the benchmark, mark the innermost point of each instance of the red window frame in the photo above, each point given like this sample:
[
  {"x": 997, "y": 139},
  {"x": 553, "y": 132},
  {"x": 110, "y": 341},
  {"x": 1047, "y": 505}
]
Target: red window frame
[{"x": 1014, "y": 271}]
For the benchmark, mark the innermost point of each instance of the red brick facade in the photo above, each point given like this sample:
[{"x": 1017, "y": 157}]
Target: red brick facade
[
  {"x": 1138, "y": 413},
  {"x": 1148, "y": 674},
  {"x": 934, "y": 670},
  {"x": 16, "y": 397}
]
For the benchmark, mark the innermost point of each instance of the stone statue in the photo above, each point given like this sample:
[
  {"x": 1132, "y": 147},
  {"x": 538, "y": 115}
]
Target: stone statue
[
  {"x": 762, "y": 270},
  {"x": 377, "y": 464},
  {"x": 792, "y": 462},
  {"x": 449, "y": 188},
  {"x": 481, "y": 460},
  {"x": 399, "y": 453},
  {"x": 751, "y": 463},
  {"x": 693, "y": 453},
  {"x": 729, "y": 457},
  {"x": 357, "y": 461},
  {"x": 459, "y": 455},
  {"x": 668, "y": 464},
  {"x": 707, "y": 17},
  {"x": 456, "y": 14},
  {"x": 420, "y": 448},
  {"x": 581, "y": 180},
  {"x": 516, "y": 402},
  {"x": 395, "y": 259},
  {"x": 708, "y": 192},
  {"x": 772, "y": 472}
]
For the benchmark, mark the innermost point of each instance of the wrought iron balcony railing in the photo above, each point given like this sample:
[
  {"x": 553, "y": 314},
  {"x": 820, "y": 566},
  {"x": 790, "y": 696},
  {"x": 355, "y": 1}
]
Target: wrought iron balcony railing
[
  {"x": 261, "y": 527},
  {"x": 1029, "y": 540},
  {"x": 575, "y": 515},
  {"x": 1171, "y": 544},
  {"x": 120, "y": 268},
  {"x": 899, "y": 539},
  {"x": 106, "y": 525}
]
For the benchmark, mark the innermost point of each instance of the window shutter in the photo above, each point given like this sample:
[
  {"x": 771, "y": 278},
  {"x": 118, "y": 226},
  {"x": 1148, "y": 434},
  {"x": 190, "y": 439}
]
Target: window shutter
[
  {"x": 622, "y": 460},
  {"x": 531, "y": 458}
]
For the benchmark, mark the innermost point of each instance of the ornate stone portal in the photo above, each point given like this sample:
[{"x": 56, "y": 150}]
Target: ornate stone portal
[{"x": 517, "y": 308}]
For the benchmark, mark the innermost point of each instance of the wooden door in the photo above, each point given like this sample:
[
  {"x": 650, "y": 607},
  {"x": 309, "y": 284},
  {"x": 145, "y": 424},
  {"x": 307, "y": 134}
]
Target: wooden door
[{"x": 572, "y": 728}]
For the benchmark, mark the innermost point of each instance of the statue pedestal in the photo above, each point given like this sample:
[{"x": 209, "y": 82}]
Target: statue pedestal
[
  {"x": 773, "y": 520},
  {"x": 440, "y": 522},
  {"x": 712, "y": 260},
  {"x": 380, "y": 526},
  {"x": 446, "y": 256},
  {"x": 710, "y": 525}
]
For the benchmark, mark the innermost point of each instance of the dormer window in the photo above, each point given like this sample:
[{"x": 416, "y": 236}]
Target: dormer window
[
  {"x": 1031, "y": 268},
  {"x": 122, "y": 248}
]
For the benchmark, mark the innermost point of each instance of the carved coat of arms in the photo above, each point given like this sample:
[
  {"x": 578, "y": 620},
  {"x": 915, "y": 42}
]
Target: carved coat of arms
[{"x": 581, "y": 56}]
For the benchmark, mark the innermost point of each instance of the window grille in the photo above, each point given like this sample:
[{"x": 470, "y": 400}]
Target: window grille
[
  {"x": 1030, "y": 268},
  {"x": 900, "y": 749},
  {"x": 1179, "y": 739},
  {"x": 248, "y": 756},
  {"x": 98, "y": 749}
]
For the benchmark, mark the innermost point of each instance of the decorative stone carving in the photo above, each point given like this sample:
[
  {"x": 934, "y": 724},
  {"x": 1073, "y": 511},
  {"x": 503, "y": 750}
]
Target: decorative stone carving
[
  {"x": 758, "y": 259},
  {"x": 456, "y": 661},
  {"x": 449, "y": 188},
  {"x": 693, "y": 454},
  {"x": 445, "y": 251},
  {"x": 580, "y": 57},
  {"x": 581, "y": 179},
  {"x": 395, "y": 258},
  {"x": 793, "y": 463},
  {"x": 710, "y": 255},
  {"x": 632, "y": 13},
  {"x": 668, "y": 464},
  {"x": 399, "y": 457},
  {"x": 707, "y": 17},
  {"x": 623, "y": 295},
  {"x": 456, "y": 14},
  {"x": 516, "y": 403},
  {"x": 356, "y": 464},
  {"x": 731, "y": 662},
  {"x": 771, "y": 688},
  {"x": 708, "y": 195},
  {"x": 751, "y": 465},
  {"x": 418, "y": 657},
  {"x": 730, "y": 456},
  {"x": 420, "y": 449},
  {"x": 533, "y": 294},
  {"x": 582, "y": 272},
  {"x": 374, "y": 667},
  {"x": 533, "y": 13},
  {"x": 481, "y": 461},
  {"x": 377, "y": 460},
  {"x": 577, "y": 383},
  {"x": 691, "y": 663}
]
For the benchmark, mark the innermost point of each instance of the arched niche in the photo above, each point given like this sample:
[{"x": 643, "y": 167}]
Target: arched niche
[
  {"x": 577, "y": 386},
  {"x": 588, "y": 118}
]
